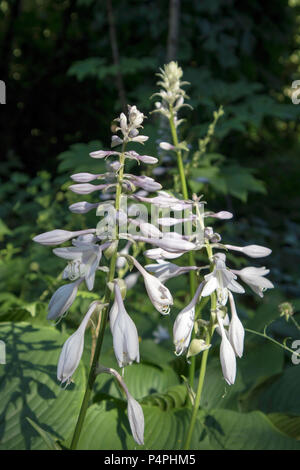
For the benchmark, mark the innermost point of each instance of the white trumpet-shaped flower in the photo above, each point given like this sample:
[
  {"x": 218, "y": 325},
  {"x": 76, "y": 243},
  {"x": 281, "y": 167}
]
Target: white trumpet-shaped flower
[
  {"x": 159, "y": 295},
  {"x": 227, "y": 355},
  {"x": 236, "y": 332},
  {"x": 124, "y": 332},
  {"x": 184, "y": 324},
  {"x": 169, "y": 243},
  {"x": 134, "y": 409},
  {"x": 56, "y": 237},
  {"x": 255, "y": 279},
  {"x": 62, "y": 300},
  {"x": 221, "y": 278},
  {"x": 84, "y": 261},
  {"x": 254, "y": 251},
  {"x": 165, "y": 270},
  {"x": 72, "y": 350}
]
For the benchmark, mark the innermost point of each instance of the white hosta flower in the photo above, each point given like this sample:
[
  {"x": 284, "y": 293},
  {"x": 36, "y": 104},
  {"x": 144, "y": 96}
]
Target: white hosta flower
[
  {"x": 145, "y": 182},
  {"x": 84, "y": 177},
  {"x": 85, "y": 259},
  {"x": 134, "y": 409},
  {"x": 165, "y": 270},
  {"x": 56, "y": 237},
  {"x": 227, "y": 355},
  {"x": 184, "y": 324},
  {"x": 170, "y": 221},
  {"x": 166, "y": 146},
  {"x": 255, "y": 279},
  {"x": 223, "y": 215},
  {"x": 103, "y": 154},
  {"x": 165, "y": 200},
  {"x": 82, "y": 207},
  {"x": 124, "y": 332},
  {"x": 160, "y": 254},
  {"x": 220, "y": 278},
  {"x": 254, "y": 251},
  {"x": 168, "y": 243},
  {"x": 136, "y": 419},
  {"x": 86, "y": 188},
  {"x": 72, "y": 350},
  {"x": 236, "y": 332},
  {"x": 159, "y": 295},
  {"x": 141, "y": 158},
  {"x": 62, "y": 300}
]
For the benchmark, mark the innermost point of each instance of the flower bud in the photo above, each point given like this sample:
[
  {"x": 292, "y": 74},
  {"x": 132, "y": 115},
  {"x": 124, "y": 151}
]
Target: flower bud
[
  {"x": 82, "y": 207},
  {"x": 103, "y": 153},
  {"x": 72, "y": 350},
  {"x": 196, "y": 347},
  {"x": 124, "y": 332},
  {"x": 254, "y": 251},
  {"x": 84, "y": 177},
  {"x": 62, "y": 300},
  {"x": 56, "y": 237},
  {"x": 184, "y": 324},
  {"x": 159, "y": 295},
  {"x": 86, "y": 188},
  {"x": 227, "y": 356},
  {"x": 236, "y": 332}
]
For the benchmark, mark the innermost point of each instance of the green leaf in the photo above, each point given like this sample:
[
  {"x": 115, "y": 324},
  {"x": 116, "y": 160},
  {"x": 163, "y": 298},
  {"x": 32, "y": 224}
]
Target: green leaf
[
  {"x": 106, "y": 427},
  {"x": 287, "y": 424},
  {"x": 283, "y": 395},
  {"x": 216, "y": 393},
  {"x": 261, "y": 359},
  {"x": 231, "y": 430},
  {"x": 77, "y": 158},
  {"x": 29, "y": 387},
  {"x": 47, "y": 438},
  {"x": 141, "y": 380}
]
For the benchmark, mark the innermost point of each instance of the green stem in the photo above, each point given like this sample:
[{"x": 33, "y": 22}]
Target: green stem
[
  {"x": 263, "y": 335},
  {"x": 104, "y": 318},
  {"x": 198, "y": 395},
  {"x": 185, "y": 194},
  {"x": 201, "y": 379},
  {"x": 295, "y": 323}
]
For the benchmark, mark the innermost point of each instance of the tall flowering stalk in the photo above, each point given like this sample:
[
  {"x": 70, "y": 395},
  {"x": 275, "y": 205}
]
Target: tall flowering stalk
[
  {"x": 84, "y": 260},
  {"x": 191, "y": 334},
  {"x": 172, "y": 100},
  {"x": 216, "y": 281}
]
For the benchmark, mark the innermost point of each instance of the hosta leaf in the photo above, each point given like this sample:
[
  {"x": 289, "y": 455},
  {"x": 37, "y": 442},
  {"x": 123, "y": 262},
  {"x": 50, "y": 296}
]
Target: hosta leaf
[
  {"x": 107, "y": 427},
  {"x": 283, "y": 395},
  {"x": 141, "y": 380},
  {"x": 29, "y": 387},
  {"x": 231, "y": 430},
  {"x": 287, "y": 424}
]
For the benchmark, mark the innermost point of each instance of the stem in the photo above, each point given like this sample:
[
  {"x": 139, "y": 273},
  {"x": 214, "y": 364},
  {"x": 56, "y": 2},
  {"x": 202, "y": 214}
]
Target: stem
[
  {"x": 295, "y": 323},
  {"x": 185, "y": 194},
  {"x": 201, "y": 379},
  {"x": 198, "y": 395},
  {"x": 104, "y": 318},
  {"x": 263, "y": 335}
]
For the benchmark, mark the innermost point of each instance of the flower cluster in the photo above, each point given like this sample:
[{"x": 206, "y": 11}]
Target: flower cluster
[
  {"x": 92, "y": 246},
  {"x": 221, "y": 281}
]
